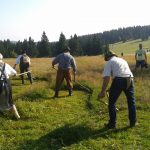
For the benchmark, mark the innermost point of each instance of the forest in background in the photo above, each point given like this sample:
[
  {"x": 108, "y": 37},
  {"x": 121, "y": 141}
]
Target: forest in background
[{"x": 86, "y": 45}]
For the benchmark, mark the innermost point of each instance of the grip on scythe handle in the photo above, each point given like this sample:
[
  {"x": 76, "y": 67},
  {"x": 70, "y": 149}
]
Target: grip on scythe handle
[{"x": 23, "y": 73}]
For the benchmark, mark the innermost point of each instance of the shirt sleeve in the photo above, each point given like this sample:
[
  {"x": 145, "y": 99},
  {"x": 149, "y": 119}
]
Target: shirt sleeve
[
  {"x": 9, "y": 71},
  {"x": 73, "y": 64},
  {"x": 107, "y": 69},
  {"x": 18, "y": 59},
  {"x": 56, "y": 60}
]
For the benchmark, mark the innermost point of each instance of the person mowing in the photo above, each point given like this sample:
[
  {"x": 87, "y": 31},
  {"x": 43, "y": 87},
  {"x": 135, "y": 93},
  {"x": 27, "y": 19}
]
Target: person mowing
[
  {"x": 6, "y": 100},
  {"x": 65, "y": 62},
  {"x": 24, "y": 64},
  {"x": 122, "y": 80}
]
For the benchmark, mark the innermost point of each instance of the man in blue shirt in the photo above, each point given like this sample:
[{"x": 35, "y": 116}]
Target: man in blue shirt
[{"x": 65, "y": 62}]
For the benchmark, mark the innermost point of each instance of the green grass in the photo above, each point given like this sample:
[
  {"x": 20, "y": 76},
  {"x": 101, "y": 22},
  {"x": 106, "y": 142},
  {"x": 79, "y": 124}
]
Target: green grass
[
  {"x": 129, "y": 47},
  {"x": 77, "y": 122}
]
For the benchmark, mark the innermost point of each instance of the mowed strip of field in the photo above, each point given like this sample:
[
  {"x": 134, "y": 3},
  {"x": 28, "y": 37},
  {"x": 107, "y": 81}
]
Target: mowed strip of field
[
  {"x": 130, "y": 47},
  {"x": 73, "y": 122}
]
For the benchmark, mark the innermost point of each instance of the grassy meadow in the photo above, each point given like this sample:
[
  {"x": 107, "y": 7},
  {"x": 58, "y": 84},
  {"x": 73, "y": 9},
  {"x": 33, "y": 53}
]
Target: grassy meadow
[
  {"x": 77, "y": 122},
  {"x": 129, "y": 47}
]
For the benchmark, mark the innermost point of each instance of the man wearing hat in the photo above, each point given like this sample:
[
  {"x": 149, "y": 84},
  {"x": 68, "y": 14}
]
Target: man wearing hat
[
  {"x": 65, "y": 62},
  {"x": 24, "y": 64},
  {"x": 6, "y": 101},
  {"x": 122, "y": 80}
]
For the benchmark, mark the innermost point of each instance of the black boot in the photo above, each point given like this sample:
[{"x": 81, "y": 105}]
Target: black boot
[
  {"x": 70, "y": 92},
  {"x": 56, "y": 94}
]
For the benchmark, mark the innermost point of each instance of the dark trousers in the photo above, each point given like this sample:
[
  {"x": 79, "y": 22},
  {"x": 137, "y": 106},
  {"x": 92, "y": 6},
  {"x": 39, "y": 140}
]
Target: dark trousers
[
  {"x": 118, "y": 85},
  {"x": 5, "y": 88},
  {"x": 25, "y": 68}
]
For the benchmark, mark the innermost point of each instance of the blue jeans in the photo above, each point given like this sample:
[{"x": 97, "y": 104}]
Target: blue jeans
[{"x": 118, "y": 85}]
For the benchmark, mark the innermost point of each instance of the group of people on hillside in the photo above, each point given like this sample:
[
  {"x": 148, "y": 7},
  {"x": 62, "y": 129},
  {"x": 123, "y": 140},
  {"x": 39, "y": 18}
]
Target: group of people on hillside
[{"x": 115, "y": 67}]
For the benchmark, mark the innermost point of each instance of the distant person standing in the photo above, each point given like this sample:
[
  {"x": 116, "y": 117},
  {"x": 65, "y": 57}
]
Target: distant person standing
[
  {"x": 24, "y": 64},
  {"x": 65, "y": 62},
  {"x": 140, "y": 57},
  {"x": 6, "y": 100},
  {"x": 122, "y": 80}
]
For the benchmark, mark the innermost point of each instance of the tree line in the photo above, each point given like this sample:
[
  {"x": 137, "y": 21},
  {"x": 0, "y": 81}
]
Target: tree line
[{"x": 92, "y": 44}]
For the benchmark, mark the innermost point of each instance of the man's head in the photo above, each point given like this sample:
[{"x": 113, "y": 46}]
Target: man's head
[
  {"x": 108, "y": 55},
  {"x": 1, "y": 57},
  {"x": 67, "y": 49},
  {"x": 140, "y": 46},
  {"x": 23, "y": 52}
]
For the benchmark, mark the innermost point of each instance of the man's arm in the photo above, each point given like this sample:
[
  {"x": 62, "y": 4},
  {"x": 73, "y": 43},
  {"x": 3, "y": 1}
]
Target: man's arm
[
  {"x": 145, "y": 57},
  {"x": 73, "y": 64},
  {"x": 102, "y": 93},
  {"x": 17, "y": 61}
]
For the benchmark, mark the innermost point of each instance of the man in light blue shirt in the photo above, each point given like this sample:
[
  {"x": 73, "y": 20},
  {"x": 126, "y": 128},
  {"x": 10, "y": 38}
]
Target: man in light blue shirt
[{"x": 65, "y": 62}]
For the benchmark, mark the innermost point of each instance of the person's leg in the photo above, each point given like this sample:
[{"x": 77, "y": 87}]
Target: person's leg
[
  {"x": 114, "y": 93},
  {"x": 59, "y": 80},
  {"x": 22, "y": 76},
  {"x": 131, "y": 104},
  {"x": 13, "y": 108},
  {"x": 142, "y": 64},
  {"x": 137, "y": 65},
  {"x": 68, "y": 78},
  {"x": 29, "y": 74}
]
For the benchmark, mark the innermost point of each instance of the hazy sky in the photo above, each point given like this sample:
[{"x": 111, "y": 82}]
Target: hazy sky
[{"x": 20, "y": 19}]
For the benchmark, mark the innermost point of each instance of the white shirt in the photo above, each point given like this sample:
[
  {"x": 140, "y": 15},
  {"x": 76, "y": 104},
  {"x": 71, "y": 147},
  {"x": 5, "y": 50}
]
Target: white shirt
[
  {"x": 117, "y": 67},
  {"x": 9, "y": 71},
  {"x": 140, "y": 54}
]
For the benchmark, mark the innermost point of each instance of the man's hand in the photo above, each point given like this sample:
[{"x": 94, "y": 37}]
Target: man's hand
[
  {"x": 101, "y": 95},
  {"x": 14, "y": 66},
  {"x": 15, "y": 74}
]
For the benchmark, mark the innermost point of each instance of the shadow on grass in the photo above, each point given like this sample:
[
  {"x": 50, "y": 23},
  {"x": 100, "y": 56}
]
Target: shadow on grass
[{"x": 67, "y": 135}]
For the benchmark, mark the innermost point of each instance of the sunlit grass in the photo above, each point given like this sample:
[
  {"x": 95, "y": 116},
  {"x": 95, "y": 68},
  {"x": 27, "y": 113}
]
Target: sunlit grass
[{"x": 73, "y": 122}]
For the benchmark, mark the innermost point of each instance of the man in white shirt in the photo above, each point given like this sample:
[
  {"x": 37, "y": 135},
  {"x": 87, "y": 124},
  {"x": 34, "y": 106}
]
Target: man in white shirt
[
  {"x": 118, "y": 69},
  {"x": 6, "y": 101},
  {"x": 24, "y": 64}
]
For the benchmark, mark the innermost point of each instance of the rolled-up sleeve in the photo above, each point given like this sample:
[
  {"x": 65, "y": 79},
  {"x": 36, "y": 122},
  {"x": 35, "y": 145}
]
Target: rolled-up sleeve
[
  {"x": 107, "y": 70},
  {"x": 18, "y": 59},
  {"x": 56, "y": 60}
]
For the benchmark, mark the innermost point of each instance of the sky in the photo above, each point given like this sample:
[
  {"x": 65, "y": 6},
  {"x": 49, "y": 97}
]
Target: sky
[{"x": 21, "y": 19}]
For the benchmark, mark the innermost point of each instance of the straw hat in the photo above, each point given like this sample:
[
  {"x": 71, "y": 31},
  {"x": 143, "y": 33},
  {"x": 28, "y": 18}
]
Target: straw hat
[{"x": 109, "y": 54}]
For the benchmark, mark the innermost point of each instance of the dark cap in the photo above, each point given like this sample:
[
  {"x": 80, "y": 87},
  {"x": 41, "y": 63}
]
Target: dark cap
[{"x": 67, "y": 49}]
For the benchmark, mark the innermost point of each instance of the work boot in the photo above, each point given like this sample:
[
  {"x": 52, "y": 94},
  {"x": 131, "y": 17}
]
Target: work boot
[
  {"x": 70, "y": 92},
  {"x": 31, "y": 81},
  {"x": 109, "y": 126},
  {"x": 56, "y": 94},
  {"x": 133, "y": 124}
]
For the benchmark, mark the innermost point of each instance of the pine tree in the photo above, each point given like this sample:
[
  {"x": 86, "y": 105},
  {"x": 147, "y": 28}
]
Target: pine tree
[
  {"x": 75, "y": 46},
  {"x": 62, "y": 44},
  {"x": 44, "y": 46}
]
